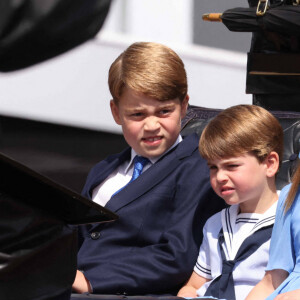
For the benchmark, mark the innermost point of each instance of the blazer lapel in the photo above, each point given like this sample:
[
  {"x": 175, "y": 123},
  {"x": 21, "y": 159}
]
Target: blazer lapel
[
  {"x": 154, "y": 175},
  {"x": 107, "y": 167}
]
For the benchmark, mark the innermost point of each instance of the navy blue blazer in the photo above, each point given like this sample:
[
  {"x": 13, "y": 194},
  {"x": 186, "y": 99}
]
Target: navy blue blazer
[{"x": 154, "y": 245}]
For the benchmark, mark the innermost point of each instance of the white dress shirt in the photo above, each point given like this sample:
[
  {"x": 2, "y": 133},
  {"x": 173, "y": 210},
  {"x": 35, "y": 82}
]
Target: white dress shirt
[{"x": 121, "y": 176}]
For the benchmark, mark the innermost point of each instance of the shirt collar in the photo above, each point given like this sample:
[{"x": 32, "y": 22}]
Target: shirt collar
[{"x": 155, "y": 159}]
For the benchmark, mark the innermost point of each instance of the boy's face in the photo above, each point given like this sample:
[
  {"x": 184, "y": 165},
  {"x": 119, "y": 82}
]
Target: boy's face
[
  {"x": 241, "y": 180},
  {"x": 149, "y": 126}
]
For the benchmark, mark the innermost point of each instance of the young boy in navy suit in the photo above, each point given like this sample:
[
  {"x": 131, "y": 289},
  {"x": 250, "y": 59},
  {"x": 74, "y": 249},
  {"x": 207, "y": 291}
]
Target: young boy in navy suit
[{"x": 159, "y": 186}]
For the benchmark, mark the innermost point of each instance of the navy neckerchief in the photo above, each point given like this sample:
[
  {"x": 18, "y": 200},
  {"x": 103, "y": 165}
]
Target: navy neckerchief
[{"x": 223, "y": 286}]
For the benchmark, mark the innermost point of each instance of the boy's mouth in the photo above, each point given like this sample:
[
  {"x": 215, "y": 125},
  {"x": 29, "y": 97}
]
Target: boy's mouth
[
  {"x": 226, "y": 190},
  {"x": 153, "y": 140}
]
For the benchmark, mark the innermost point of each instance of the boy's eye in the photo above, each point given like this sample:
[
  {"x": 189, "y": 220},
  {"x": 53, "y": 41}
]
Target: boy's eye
[
  {"x": 164, "y": 111},
  {"x": 212, "y": 167},
  {"x": 137, "y": 114},
  {"x": 233, "y": 166}
]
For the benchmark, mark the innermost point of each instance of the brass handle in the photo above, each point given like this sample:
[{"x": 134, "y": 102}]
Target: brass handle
[{"x": 212, "y": 17}]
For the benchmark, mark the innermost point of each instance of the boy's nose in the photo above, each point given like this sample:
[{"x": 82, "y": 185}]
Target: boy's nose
[
  {"x": 221, "y": 176},
  {"x": 151, "y": 124}
]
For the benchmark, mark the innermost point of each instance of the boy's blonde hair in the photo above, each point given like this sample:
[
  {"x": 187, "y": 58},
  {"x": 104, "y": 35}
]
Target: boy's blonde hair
[
  {"x": 239, "y": 130},
  {"x": 151, "y": 69}
]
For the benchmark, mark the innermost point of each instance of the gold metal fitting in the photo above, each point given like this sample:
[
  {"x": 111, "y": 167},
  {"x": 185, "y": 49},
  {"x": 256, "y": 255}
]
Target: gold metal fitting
[{"x": 262, "y": 7}]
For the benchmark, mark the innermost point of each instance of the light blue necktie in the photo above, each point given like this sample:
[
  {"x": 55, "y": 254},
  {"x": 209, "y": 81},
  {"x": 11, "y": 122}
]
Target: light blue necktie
[{"x": 139, "y": 163}]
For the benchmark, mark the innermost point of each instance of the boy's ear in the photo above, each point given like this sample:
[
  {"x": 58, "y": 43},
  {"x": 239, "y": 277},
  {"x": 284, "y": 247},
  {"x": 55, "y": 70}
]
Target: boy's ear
[
  {"x": 184, "y": 105},
  {"x": 272, "y": 163},
  {"x": 115, "y": 111}
]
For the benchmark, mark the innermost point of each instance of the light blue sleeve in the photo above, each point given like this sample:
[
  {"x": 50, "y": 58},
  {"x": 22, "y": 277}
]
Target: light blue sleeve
[{"x": 281, "y": 247}]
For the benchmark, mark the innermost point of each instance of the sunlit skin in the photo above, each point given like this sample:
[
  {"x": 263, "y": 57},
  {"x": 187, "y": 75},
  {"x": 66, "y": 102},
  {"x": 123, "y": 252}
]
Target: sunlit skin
[
  {"x": 243, "y": 180},
  {"x": 81, "y": 284},
  {"x": 149, "y": 126},
  {"x": 291, "y": 295},
  {"x": 269, "y": 284}
]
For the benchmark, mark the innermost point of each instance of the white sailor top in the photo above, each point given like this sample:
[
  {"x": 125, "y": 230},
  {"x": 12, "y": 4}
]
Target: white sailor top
[{"x": 236, "y": 228}]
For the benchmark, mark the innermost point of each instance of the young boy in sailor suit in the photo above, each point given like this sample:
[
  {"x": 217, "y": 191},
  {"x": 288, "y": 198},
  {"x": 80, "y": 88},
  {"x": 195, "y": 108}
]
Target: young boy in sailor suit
[{"x": 243, "y": 147}]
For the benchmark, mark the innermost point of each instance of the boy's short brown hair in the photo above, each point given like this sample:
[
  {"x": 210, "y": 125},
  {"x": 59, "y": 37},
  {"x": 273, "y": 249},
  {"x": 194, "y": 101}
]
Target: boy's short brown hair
[
  {"x": 239, "y": 130},
  {"x": 151, "y": 69}
]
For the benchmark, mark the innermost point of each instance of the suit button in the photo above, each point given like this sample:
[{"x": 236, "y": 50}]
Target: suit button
[{"x": 95, "y": 235}]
